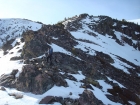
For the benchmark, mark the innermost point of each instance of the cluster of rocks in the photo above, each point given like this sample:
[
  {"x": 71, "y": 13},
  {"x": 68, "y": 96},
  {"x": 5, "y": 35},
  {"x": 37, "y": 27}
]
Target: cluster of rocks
[
  {"x": 86, "y": 98},
  {"x": 37, "y": 43}
]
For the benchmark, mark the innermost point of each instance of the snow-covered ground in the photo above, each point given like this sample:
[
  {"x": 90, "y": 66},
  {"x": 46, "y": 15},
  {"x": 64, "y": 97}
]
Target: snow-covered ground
[
  {"x": 13, "y": 28},
  {"x": 6, "y": 64}
]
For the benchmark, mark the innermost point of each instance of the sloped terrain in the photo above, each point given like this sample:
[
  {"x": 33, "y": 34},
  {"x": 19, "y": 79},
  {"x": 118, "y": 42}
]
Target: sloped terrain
[
  {"x": 95, "y": 62},
  {"x": 13, "y": 28}
]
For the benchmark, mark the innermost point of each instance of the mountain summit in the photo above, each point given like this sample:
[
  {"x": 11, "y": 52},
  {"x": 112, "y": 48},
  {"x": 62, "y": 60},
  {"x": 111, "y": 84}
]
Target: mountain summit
[{"x": 96, "y": 61}]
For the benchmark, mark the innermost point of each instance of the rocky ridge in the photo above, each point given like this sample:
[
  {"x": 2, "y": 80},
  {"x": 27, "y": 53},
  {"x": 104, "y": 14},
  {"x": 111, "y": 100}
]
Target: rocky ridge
[{"x": 38, "y": 76}]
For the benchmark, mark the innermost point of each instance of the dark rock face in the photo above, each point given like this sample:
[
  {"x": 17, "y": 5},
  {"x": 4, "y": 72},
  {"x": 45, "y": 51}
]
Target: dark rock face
[
  {"x": 83, "y": 15},
  {"x": 24, "y": 82},
  {"x": 33, "y": 80},
  {"x": 9, "y": 80},
  {"x": 46, "y": 100},
  {"x": 37, "y": 43},
  {"x": 7, "y": 45},
  {"x": 14, "y": 72},
  {"x": 59, "y": 81},
  {"x": 15, "y": 58},
  {"x": 105, "y": 57},
  {"x": 125, "y": 95},
  {"x": 42, "y": 83},
  {"x": 29, "y": 80},
  {"x": 88, "y": 98}
]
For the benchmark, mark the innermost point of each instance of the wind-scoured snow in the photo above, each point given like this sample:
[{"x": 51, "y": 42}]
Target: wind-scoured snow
[{"x": 13, "y": 28}]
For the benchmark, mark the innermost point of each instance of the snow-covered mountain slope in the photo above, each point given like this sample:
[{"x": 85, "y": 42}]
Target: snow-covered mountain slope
[
  {"x": 104, "y": 43},
  {"x": 14, "y": 27},
  {"x": 96, "y": 60},
  {"x": 74, "y": 87}
]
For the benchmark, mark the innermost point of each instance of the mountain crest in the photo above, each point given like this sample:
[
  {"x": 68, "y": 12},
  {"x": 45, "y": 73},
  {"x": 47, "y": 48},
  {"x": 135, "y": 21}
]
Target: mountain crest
[{"x": 95, "y": 60}]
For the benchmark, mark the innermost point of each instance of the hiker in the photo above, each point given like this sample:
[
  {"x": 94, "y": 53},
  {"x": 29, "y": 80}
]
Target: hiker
[{"x": 49, "y": 56}]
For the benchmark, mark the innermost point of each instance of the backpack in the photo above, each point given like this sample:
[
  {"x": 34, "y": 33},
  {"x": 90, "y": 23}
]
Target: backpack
[{"x": 50, "y": 51}]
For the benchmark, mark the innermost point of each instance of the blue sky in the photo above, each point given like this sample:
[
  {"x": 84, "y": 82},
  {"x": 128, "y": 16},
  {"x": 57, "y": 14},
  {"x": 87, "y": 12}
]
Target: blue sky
[{"x": 52, "y": 11}]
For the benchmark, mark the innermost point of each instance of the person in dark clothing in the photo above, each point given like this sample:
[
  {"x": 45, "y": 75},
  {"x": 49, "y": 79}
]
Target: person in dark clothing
[{"x": 49, "y": 56}]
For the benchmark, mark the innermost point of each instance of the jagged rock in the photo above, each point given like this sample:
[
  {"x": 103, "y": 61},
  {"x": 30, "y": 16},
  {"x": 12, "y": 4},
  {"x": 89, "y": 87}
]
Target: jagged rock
[
  {"x": 17, "y": 43},
  {"x": 16, "y": 58},
  {"x": 124, "y": 94},
  {"x": 46, "y": 100},
  {"x": 22, "y": 40},
  {"x": 42, "y": 83},
  {"x": 59, "y": 80},
  {"x": 88, "y": 98},
  {"x": 114, "y": 98},
  {"x": 24, "y": 81},
  {"x": 14, "y": 72},
  {"x": 7, "y": 45},
  {"x": 105, "y": 57},
  {"x": 83, "y": 15},
  {"x": 7, "y": 80},
  {"x": 63, "y": 101},
  {"x": 20, "y": 50},
  {"x": 31, "y": 79},
  {"x": 35, "y": 44}
]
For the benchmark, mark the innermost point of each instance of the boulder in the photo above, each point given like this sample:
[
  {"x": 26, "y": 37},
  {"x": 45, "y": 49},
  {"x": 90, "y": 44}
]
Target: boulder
[
  {"x": 2, "y": 88},
  {"x": 42, "y": 83},
  {"x": 59, "y": 80},
  {"x": 15, "y": 58},
  {"x": 88, "y": 98},
  {"x": 46, "y": 100},
  {"x": 14, "y": 72}
]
